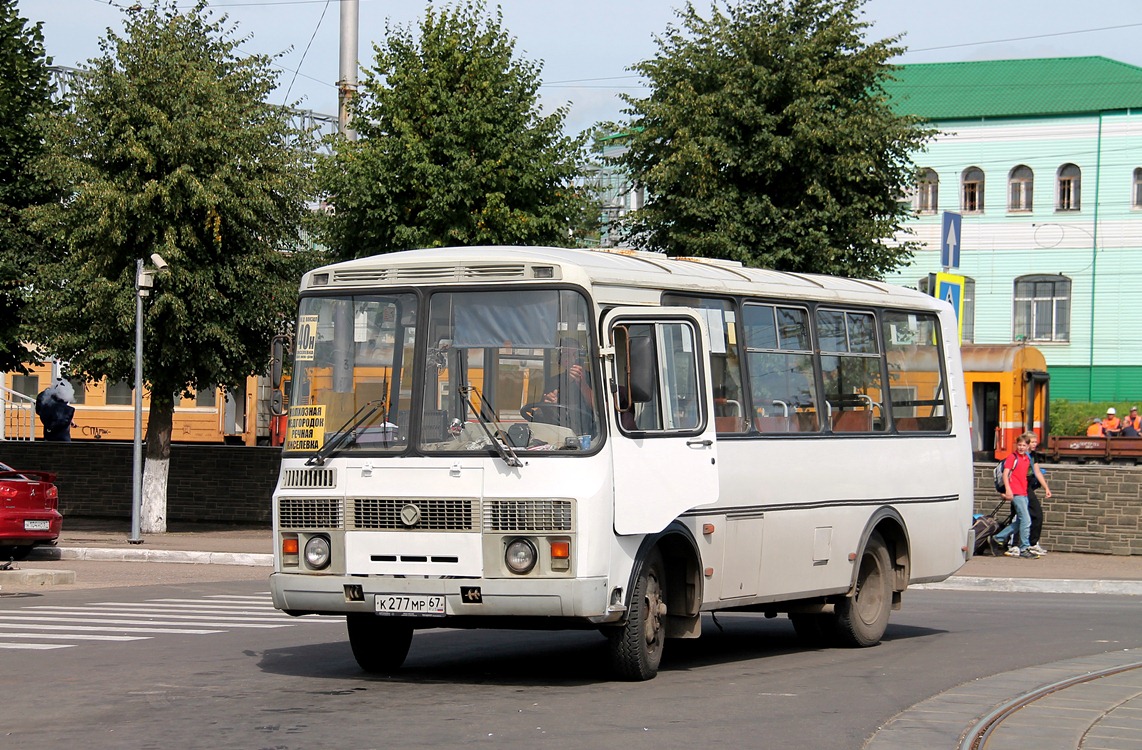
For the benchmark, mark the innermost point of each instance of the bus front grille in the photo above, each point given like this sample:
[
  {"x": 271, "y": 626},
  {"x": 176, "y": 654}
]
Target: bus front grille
[
  {"x": 527, "y": 515},
  {"x": 414, "y": 513},
  {"x": 310, "y": 513},
  {"x": 309, "y": 479}
]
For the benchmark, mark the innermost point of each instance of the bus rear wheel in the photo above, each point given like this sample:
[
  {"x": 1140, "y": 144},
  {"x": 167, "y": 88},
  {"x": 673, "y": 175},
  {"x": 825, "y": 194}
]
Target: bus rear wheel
[
  {"x": 862, "y": 618},
  {"x": 636, "y": 646},
  {"x": 380, "y": 644}
]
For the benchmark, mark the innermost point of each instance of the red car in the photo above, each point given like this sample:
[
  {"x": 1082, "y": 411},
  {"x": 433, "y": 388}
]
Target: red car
[{"x": 28, "y": 514}]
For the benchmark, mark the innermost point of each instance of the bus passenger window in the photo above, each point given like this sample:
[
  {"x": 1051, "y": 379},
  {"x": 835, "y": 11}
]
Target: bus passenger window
[
  {"x": 780, "y": 362},
  {"x": 850, "y": 368},
  {"x": 916, "y": 372}
]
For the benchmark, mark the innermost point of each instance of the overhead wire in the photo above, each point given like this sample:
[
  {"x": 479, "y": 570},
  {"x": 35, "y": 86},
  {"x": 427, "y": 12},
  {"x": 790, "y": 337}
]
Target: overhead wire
[{"x": 285, "y": 99}]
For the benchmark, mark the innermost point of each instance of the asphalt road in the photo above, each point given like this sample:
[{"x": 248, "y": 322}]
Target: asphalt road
[{"x": 261, "y": 680}]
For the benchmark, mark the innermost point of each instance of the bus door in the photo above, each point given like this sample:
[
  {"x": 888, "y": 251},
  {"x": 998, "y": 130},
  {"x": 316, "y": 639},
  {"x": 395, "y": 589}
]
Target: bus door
[{"x": 662, "y": 406}]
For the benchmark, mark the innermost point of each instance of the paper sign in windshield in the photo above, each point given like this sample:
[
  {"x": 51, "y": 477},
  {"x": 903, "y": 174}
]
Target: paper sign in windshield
[
  {"x": 306, "y": 345},
  {"x": 305, "y": 430}
]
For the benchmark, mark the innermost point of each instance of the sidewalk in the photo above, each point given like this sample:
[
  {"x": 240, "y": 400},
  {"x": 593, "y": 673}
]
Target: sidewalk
[{"x": 107, "y": 540}]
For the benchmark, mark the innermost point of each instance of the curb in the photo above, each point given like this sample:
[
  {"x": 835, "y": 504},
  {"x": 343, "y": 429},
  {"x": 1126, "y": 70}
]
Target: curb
[
  {"x": 116, "y": 554},
  {"x": 33, "y": 577},
  {"x": 933, "y": 722},
  {"x": 1036, "y": 586}
]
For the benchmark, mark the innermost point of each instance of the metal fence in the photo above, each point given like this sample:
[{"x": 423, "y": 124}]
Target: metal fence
[{"x": 19, "y": 421}]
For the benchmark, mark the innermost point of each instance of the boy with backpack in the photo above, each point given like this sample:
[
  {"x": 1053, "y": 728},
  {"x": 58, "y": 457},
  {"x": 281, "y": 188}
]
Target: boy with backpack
[{"x": 1015, "y": 476}]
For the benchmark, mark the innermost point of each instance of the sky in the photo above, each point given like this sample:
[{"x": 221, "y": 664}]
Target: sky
[{"x": 587, "y": 46}]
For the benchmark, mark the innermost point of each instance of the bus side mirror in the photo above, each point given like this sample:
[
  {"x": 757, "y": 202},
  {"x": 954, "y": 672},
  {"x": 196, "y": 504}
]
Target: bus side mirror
[
  {"x": 642, "y": 369},
  {"x": 277, "y": 403},
  {"x": 277, "y": 355}
]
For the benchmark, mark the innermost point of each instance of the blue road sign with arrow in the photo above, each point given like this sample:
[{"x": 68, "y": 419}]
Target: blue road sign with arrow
[{"x": 950, "y": 240}]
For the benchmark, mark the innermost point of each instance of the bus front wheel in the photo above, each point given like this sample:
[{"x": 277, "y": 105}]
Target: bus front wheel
[
  {"x": 862, "y": 618},
  {"x": 380, "y": 644},
  {"x": 636, "y": 645}
]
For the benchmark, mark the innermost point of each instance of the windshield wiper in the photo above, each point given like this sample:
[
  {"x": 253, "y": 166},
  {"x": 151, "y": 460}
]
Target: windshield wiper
[
  {"x": 345, "y": 432},
  {"x": 503, "y": 447}
]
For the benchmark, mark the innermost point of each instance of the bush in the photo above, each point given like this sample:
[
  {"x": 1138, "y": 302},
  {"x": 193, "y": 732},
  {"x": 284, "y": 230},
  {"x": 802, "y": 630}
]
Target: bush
[{"x": 1073, "y": 418}]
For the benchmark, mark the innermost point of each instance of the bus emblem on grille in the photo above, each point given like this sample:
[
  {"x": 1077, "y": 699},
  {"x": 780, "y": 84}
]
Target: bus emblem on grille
[{"x": 410, "y": 515}]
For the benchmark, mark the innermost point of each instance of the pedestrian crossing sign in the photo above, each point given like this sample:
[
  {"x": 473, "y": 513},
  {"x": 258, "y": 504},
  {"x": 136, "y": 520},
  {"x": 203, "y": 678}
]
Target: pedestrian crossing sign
[{"x": 950, "y": 288}]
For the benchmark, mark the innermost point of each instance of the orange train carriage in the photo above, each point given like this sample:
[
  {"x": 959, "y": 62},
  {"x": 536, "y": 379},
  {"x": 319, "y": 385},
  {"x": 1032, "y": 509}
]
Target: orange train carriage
[
  {"x": 105, "y": 411},
  {"x": 1008, "y": 394}
]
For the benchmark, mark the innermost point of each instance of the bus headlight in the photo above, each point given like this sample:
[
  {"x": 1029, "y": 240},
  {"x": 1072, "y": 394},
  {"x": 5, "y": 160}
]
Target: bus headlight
[
  {"x": 317, "y": 552},
  {"x": 520, "y": 556}
]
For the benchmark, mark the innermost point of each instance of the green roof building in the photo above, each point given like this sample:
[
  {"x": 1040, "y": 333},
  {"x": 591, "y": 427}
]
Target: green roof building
[{"x": 1042, "y": 159}]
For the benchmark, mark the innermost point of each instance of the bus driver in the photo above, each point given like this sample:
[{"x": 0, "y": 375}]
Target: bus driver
[{"x": 570, "y": 387}]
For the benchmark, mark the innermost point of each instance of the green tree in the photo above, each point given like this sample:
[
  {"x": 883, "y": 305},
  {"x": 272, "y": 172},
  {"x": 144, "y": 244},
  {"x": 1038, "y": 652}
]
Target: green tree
[
  {"x": 170, "y": 148},
  {"x": 25, "y": 101},
  {"x": 452, "y": 148},
  {"x": 767, "y": 138}
]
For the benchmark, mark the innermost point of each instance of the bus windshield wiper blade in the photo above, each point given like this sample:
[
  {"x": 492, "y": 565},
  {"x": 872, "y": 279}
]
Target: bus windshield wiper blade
[
  {"x": 345, "y": 431},
  {"x": 503, "y": 447}
]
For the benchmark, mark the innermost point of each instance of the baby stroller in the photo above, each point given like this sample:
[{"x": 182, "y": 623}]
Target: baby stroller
[{"x": 985, "y": 528}]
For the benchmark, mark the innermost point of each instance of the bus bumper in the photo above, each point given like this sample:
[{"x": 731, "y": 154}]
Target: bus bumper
[{"x": 582, "y": 598}]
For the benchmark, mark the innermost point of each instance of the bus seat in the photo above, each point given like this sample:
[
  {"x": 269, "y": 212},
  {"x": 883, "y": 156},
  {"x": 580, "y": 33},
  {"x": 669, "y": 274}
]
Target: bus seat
[
  {"x": 803, "y": 421},
  {"x": 852, "y": 421},
  {"x": 729, "y": 424},
  {"x": 907, "y": 424},
  {"x": 773, "y": 424},
  {"x": 727, "y": 407}
]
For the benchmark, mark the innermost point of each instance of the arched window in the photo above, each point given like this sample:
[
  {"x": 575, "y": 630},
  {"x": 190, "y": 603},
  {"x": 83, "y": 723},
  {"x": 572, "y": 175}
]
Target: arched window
[
  {"x": 1137, "y": 200},
  {"x": 927, "y": 192},
  {"x": 1042, "y": 309},
  {"x": 971, "y": 201},
  {"x": 1020, "y": 185},
  {"x": 1070, "y": 188}
]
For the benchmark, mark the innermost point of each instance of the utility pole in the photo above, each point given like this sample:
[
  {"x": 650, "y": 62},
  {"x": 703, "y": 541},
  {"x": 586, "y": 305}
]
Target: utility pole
[{"x": 347, "y": 75}]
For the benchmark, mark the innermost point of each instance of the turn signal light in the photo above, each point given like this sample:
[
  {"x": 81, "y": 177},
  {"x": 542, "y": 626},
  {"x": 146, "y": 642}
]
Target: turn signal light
[
  {"x": 289, "y": 546},
  {"x": 560, "y": 550}
]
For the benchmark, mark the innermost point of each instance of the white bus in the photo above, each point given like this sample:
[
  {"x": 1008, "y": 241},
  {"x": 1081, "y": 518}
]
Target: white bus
[{"x": 541, "y": 437}]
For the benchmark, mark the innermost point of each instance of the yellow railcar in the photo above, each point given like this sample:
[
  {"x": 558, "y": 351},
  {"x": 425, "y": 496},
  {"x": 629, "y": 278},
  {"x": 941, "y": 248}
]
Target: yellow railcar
[
  {"x": 105, "y": 411},
  {"x": 1008, "y": 393}
]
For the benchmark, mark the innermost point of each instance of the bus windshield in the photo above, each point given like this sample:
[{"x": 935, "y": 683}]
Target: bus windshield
[
  {"x": 352, "y": 379},
  {"x": 509, "y": 366},
  {"x": 505, "y": 371}
]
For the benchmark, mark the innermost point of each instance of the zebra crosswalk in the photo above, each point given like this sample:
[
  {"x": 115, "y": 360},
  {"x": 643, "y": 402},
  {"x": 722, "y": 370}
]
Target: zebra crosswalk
[{"x": 45, "y": 627}]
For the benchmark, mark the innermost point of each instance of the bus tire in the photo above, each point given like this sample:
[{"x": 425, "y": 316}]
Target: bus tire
[
  {"x": 380, "y": 644},
  {"x": 862, "y": 618},
  {"x": 636, "y": 645}
]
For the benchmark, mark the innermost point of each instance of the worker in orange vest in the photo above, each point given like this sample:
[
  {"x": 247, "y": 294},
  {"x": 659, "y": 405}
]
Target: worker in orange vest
[
  {"x": 1132, "y": 425},
  {"x": 1095, "y": 429},
  {"x": 1111, "y": 425}
]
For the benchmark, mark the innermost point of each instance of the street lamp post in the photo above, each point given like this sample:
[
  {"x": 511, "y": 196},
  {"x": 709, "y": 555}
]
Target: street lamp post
[{"x": 144, "y": 281}]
